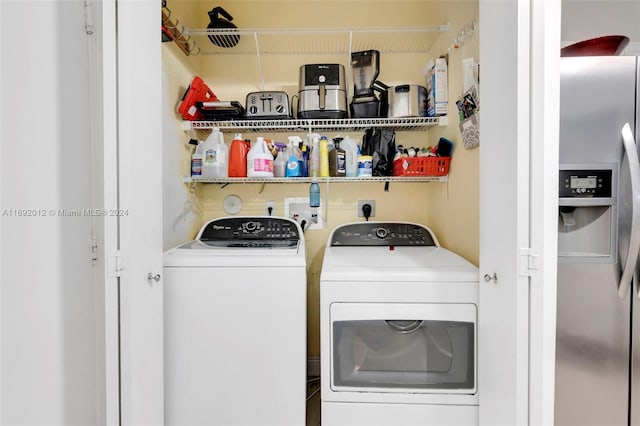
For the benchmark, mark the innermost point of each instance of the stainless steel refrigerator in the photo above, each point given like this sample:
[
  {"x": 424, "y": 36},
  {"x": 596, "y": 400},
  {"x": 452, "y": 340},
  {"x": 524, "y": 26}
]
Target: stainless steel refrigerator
[{"x": 598, "y": 318}]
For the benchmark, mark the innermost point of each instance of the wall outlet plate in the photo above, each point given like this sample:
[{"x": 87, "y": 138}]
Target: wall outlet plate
[
  {"x": 298, "y": 209},
  {"x": 270, "y": 205},
  {"x": 361, "y": 203}
]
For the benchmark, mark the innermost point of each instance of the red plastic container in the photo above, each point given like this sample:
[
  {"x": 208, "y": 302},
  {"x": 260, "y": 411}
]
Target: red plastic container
[
  {"x": 238, "y": 157},
  {"x": 421, "y": 166}
]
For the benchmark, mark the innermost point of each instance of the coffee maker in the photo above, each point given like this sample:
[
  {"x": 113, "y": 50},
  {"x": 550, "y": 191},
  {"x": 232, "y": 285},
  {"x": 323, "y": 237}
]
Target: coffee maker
[{"x": 365, "y": 66}]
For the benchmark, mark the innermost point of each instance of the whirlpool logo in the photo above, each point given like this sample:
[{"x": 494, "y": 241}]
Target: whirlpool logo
[{"x": 220, "y": 227}]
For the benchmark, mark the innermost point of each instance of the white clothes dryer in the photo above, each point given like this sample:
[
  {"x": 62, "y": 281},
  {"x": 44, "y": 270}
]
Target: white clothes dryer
[
  {"x": 398, "y": 320},
  {"x": 235, "y": 325}
]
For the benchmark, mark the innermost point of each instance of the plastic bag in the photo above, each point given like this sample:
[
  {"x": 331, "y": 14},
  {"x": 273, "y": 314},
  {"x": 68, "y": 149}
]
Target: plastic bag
[{"x": 381, "y": 145}]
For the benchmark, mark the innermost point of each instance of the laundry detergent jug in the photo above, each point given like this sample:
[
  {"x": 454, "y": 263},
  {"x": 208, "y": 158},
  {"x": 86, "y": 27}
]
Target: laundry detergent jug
[{"x": 238, "y": 157}]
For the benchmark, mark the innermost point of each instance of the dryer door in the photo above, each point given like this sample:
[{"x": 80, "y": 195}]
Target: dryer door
[{"x": 397, "y": 347}]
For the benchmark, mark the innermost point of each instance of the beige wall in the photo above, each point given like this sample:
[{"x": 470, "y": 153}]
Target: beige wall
[
  {"x": 453, "y": 207},
  {"x": 450, "y": 209}
]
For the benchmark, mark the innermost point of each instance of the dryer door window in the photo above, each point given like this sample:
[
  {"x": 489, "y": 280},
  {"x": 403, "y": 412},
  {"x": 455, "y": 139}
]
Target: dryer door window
[{"x": 424, "y": 351}]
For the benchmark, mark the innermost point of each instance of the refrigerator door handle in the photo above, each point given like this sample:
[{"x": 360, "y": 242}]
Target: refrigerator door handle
[{"x": 631, "y": 260}]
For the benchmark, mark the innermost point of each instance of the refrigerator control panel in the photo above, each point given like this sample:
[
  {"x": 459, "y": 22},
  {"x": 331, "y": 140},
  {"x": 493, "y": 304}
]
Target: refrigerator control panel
[{"x": 585, "y": 183}]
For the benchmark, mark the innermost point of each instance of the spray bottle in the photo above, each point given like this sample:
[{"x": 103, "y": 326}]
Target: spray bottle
[
  {"x": 294, "y": 156},
  {"x": 314, "y": 156}
]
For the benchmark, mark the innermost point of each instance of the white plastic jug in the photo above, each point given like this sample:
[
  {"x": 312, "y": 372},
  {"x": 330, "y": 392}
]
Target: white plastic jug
[
  {"x": 215, "y": 156},
  {"x": 259, "y": 160},
  {"x": 351, "y": 156}
]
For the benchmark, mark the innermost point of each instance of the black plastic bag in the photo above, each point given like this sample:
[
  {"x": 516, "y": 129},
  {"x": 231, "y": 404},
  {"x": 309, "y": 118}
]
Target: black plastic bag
[{"x": 381, "y": 145}]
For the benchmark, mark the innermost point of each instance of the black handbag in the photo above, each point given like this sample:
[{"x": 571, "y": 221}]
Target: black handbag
[{"x": 381, "y": 145}]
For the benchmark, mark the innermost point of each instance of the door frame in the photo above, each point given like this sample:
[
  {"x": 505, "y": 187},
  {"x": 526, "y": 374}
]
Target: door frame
[{"x": 516, "y": 223}]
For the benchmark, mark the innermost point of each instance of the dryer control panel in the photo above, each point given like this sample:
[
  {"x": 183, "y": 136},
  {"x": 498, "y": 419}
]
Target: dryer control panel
[
  {"x": 264, "y": 232},
  {"x": 382, "y": 234}
]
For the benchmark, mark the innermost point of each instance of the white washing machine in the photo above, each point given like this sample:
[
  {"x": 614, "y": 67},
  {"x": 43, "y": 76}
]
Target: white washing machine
[
  {"x": 235, "y": 324},
  {"x": 398, "y": 320}
]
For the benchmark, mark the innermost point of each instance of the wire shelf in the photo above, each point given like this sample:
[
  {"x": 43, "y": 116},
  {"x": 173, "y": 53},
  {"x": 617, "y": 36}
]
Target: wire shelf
[
  {"x": 309, "y": 125},
  {"x": 226, "y": 181},
  {"x": 319, "y": 40}
]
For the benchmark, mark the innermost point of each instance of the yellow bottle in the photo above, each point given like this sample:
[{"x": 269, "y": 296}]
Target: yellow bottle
[{"x": 324, "y": 157}]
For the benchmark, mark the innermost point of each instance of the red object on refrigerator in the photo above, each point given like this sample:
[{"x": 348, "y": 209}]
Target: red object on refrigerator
[{"x": 611, "y": 45}]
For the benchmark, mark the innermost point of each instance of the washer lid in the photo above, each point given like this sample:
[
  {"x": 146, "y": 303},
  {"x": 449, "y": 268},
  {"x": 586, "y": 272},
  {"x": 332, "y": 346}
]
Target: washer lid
[
  {"x": 260, "y": 241},
  {"x": 395, "y": 264},
  {"x": 197, "y": 254}
]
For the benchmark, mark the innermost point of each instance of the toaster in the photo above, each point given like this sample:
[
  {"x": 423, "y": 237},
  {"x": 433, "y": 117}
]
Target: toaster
[
  {"x": 267, "y": 105},
  {"x": 322, "y": 91}
]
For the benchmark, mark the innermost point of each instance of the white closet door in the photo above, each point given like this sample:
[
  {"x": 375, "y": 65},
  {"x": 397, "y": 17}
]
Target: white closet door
[
  {"x": 504, "y": 214},
  {"x": 132, "y": 129},
  {"x": 51, "y": 317}
]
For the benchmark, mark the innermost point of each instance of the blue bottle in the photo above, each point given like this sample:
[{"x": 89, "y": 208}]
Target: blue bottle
[
  {"x": 314, "y": 194},
  {"x": 304, "y": 163}
]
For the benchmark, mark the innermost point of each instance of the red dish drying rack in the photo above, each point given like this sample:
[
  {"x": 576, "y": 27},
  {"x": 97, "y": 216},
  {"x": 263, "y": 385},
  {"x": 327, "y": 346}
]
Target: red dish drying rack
[{"x": 421, "y": 166}]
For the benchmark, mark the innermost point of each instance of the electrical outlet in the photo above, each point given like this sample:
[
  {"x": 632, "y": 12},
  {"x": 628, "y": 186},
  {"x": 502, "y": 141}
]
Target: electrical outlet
[
  {"x": 270, "y": 208},
  {"x": 361, "y": 203},
  {"x": 299, "y": 210}
]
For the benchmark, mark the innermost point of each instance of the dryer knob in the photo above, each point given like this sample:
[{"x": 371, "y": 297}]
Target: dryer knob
[{"x": 381, "y": 233}]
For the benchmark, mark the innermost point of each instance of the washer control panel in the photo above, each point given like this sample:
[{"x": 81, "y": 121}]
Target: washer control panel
[
  {"x": 382, "y": 234},
  {"x": 250, "y": 232}
]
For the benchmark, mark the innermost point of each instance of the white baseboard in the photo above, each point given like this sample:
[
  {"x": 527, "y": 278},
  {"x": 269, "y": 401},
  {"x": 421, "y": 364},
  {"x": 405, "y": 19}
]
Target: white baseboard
[{"x": 313, "y": 366}]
